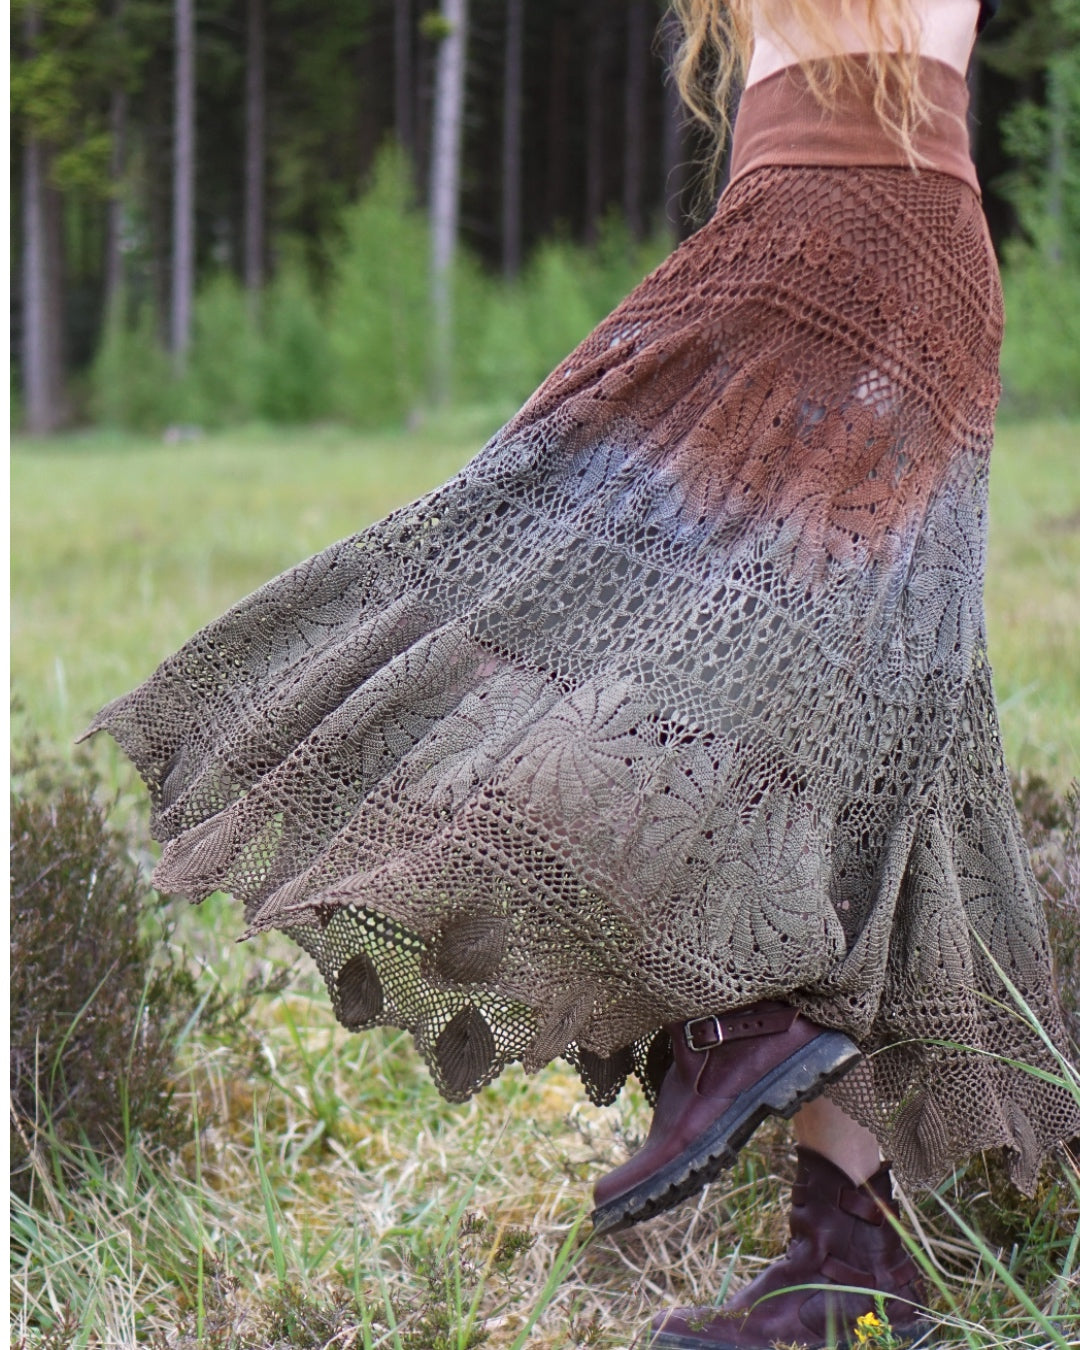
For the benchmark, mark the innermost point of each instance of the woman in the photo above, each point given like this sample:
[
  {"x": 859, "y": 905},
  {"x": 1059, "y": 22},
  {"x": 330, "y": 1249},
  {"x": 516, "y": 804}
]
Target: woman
[{"x": 661, "y": 738}]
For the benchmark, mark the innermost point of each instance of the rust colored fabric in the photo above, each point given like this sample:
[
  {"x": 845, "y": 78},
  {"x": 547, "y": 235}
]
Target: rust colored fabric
[
  {"x": 675, "y": 698},
  {"x": 781, "y": 122}
]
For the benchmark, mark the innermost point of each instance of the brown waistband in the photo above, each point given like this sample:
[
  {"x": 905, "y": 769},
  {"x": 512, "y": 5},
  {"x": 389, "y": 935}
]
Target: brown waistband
[{"x": 780, "y": 122}]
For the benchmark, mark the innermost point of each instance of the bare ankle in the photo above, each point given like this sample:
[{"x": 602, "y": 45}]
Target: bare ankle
[{"x": 824, "y": 1127}]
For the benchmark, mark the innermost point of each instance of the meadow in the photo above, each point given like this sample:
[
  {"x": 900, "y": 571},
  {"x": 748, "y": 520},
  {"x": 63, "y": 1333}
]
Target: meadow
[
  {"x": 122, "y": 546},
  {"x": 321, "y": 1192}
]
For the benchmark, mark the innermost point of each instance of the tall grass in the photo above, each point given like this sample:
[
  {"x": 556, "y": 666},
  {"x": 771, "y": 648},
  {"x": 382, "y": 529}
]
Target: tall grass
[{"x": 326, "y": 1195}]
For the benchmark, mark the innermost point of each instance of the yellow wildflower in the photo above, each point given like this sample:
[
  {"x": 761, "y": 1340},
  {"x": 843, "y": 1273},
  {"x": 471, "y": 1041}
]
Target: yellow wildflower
[{"x": 867, "y": 1327}]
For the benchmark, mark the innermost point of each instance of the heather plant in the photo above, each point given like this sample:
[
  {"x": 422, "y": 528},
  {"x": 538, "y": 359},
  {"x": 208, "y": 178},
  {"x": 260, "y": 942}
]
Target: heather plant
[
  {"x": 99, "y": 1003},
  {"x": 1052, "y": 829},
  {"x": 459, "y": 1272},
  {"x": 89, "y": 1053}
]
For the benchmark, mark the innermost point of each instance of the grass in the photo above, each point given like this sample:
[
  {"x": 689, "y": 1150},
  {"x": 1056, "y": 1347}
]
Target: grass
[
  {"x": 334, "y": 1192},
  {"x": 1033, "y": 595},
  {"x": 325, "y": 1193},
  {"x": 121, "y": 548}
]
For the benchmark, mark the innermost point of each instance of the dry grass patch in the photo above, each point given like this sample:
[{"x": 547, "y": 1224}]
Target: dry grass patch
[{"x": 327, "y": 1196}]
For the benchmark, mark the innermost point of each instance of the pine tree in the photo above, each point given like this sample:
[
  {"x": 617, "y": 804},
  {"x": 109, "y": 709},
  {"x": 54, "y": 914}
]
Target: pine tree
[{"x": 447, "y": 114}]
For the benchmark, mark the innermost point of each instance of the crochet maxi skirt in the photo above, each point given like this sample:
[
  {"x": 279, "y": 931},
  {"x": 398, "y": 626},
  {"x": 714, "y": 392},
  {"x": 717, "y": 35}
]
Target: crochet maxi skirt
[{"x": 676, "y": 697}]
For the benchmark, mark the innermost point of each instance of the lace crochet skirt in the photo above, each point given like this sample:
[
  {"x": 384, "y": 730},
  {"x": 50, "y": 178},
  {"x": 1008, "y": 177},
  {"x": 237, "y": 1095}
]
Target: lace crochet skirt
[{"x": 675, "y": 698}]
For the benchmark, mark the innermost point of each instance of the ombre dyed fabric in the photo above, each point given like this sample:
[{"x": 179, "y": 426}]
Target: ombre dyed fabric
[{"x": 675, "y": 698}]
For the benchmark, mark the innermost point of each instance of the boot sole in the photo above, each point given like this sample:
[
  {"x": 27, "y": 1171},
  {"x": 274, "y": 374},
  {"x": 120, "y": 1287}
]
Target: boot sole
[
  {"x": 798, "y": 1080},
  {"x": 673, "y": 1340}
]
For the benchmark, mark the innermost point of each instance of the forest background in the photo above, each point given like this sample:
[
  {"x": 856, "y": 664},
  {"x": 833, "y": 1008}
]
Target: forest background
[{"x": 303, "y": 210}]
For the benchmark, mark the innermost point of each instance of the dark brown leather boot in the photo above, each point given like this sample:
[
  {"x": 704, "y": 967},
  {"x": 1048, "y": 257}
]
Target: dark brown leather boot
[
  {"x": 840, "y": 1236},
  {"x": 727, "y": 1075}
]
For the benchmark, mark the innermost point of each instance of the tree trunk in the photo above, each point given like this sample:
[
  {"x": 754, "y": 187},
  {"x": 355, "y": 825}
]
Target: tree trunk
[
  {"x": 446, "y": 185},
  {"x": 54, "y": 296},
  {"x": 511, "y": 146},
  {"x": 114, "y": 228},
  {"x": 403, "y": 76},
  {"x": 422, "y": 100},
  {"x": 1057, "y": 162},
  {"x": 674, "y": 149},
  {"x": 255, "y": 152},
  {"x": 183, "y": 268},
  {"x": 557, "y": 122},
  {"x": 114, "y": 224},
  {"x": 634, "y": 115},
  {"x": 595, "y": 118},
  {"x": 42, "y": 366},
  {"x": 42, "y": 372}
]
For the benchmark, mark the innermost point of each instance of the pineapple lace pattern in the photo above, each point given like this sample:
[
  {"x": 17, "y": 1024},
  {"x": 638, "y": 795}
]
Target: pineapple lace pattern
[{"x": 676, "y": 697}]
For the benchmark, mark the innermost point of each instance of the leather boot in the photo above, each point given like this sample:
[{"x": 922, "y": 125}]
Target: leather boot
[
  {"x": 840, "y": 1236},
  {"x": 728, "y": 1073}
]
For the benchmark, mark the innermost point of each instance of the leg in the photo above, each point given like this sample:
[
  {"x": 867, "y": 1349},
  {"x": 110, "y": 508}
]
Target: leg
[{"x": 822, "y": 1126}]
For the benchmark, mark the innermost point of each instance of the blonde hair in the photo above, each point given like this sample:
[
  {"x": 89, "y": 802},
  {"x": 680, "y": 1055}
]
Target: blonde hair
[{"x": 717, "y": 43}]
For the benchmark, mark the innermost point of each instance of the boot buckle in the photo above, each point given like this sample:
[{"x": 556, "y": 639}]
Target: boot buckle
[{"x": 712, "y": 1033}]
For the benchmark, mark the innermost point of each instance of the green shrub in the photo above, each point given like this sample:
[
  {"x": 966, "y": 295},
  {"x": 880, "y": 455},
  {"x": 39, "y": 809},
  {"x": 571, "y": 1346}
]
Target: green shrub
[
  {"x": 503, "y": 363},
  {"x": 222, "y": 385},
  {"x": 614, "y": 266},
  {"x": 16, "y": 410},
  {"x": 562, "y": 295},
  {"x": 1040, "y": 361},
  {"x": 131, "y": 383},
  {"x": 556, "y": 306},
  {"x": 478, "y": 371},
  {"x": 361, "y": 352},
  {"x": 295, "y": 354},
  {"x": 377, "y": 321},
  {"x": 529, "y": 326}
]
